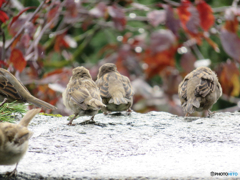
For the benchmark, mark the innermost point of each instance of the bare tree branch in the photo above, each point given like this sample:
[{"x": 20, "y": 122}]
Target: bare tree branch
[
  {"x": 173, "y": 3},
  {"x": 22, "y": 28},
  {"x": 230, "y": 99},
  {"x": 3, "y": 40}
]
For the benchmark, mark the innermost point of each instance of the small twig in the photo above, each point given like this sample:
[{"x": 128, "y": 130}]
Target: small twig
[
  {"x": 197, "y": 51},
  {"x": 173, "y": 3},
  {"x": 221, "y": 9},
  {"x": 230, "y": 99},
  {"x": 59, "y": 32},
  {"x": 5, "y": 99},
  {"x": 137, "y": 18},
  {"x": 6, "y": 3},
  {"x": 22, "y": 28},
  {"x": 231, "y": 109},
  {"x": 35, "y": 43},
  {"x": 3, "y": 40},
  {"x": 234, "y": 3}
]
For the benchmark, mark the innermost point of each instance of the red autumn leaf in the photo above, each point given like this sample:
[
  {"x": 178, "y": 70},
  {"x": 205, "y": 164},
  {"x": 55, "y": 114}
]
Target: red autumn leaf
[
  {"x": 231, "y": 26},
  {"x": 231, "y": 43},
  {"x": 172, "y": 20},
  {"x": 231, "y": 23},
  {"x": 158, "y": 61},
  {"x": 60, "y": 42},
  {"x": 25, "y": 40},
  {"x": 60, "y": 76},
  {"x": 206, "y": 15},
  {"x": 228, "y": 74},
  {"x": 187, "y": 61},
  {"x": 52, "y": 13},
  {"x": 161, "y": 40},
  {"x": 16, "y": 26},
  {"x": 3, "y": 16},
  {"x": 118, "y": 17},
  {"x": 171, "y": 79},
  {"x": 183, "y": 13},
  {"x": 1, "y": 2},
  {"x": 3, "y": 63},
  {"x": 19, "y": 14},
  {"x": 99, "y": 10},
  {"x": 156, "y": 17},
  {"x": 193, "y": 23},
  {"x": 18, "y": 60},
  {"x": 72, "y": 7},
  {"x": 15, "y": 42}
]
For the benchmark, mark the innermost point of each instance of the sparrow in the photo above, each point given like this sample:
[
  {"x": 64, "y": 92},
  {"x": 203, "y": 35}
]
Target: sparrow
[
  {"x": 13, "y": 89},
  {"x": 14, "y": 140},
  {"x": 82, "y": 95},
  {"x": 199, "y": 90},
  {"x": 116, "y": 89}
]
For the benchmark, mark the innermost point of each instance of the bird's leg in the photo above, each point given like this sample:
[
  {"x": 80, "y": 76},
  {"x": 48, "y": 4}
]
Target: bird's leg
[
  {"x": 104, "y": 110},
  {"x": 105, "y": 113},
  {"x": 90, "y": 121},
  {"x": 129, "y": 111},
  {"x": 210, "y": 114},
  {"x": 13, "y": 173},
  {"x": 70, "y": 122},
  {"x": 5, "y": 99},
  {"x": 186, "y": 115}
]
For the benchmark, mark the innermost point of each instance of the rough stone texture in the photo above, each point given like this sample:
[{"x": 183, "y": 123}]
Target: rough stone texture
[{"x": 156, "y": 145}]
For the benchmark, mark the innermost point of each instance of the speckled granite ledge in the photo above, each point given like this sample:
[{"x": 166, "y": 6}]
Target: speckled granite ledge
[{"x": 156, "y": 145}]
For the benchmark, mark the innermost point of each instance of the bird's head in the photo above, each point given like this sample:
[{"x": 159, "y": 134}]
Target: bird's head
[
  {"x": 106, "y": 68},
  {"x": 80, "y": 72}
]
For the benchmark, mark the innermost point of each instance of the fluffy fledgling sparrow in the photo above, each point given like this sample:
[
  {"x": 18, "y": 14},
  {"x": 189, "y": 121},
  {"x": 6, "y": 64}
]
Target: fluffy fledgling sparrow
[
  {"x": 116, "y": 89},
  {"x": 14, "y": 140},
  {"x": 13, "y": 90},
  {"x": 82, "y": 95},
  {"x": 199, "y": 90}
]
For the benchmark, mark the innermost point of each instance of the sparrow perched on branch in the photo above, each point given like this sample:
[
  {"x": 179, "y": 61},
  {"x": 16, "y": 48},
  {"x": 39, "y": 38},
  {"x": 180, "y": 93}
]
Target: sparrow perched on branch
[
  {"x": 13, "y": 90},
  {"x": 116, "y": 89},
  {"x": 14, "y": 140},
  {"x": 199, "y": 90},
  {"x": 82, "y": 95}
]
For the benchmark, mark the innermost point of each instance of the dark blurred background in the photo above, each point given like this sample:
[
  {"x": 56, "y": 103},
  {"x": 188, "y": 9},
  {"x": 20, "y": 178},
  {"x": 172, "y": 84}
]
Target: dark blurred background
[{"x": 154, "y": 43}]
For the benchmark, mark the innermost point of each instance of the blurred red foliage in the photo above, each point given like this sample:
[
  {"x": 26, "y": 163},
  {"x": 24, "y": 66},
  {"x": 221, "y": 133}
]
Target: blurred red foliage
[{"x": 155, "y": 45}]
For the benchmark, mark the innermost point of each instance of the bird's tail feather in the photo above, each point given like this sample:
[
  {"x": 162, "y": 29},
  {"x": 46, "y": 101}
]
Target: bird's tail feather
[
  {"x": 28, "y": 117},
  {"x": 96, "y": 103},
  {"x": 192, "y": 105},
  {"x": 40, "y": 103},
  {"x": 118, "y": 100}
]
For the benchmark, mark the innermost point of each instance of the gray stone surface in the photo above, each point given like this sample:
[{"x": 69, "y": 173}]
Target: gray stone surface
[{"x": 156, "y": 145}]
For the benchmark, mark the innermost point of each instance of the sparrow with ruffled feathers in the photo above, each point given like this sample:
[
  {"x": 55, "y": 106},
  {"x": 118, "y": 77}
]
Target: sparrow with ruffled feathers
[
  {"x": 199, "y": 90},
  {"x": 14, "y": 140},
  {"x": 82, "y": 95},
  {"x": 116, "y": 89}
]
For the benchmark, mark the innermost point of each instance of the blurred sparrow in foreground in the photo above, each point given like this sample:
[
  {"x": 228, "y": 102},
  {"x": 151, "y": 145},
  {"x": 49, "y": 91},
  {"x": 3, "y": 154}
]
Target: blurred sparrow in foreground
[
  {"x": 199, "y": 90},
  {"x": 116, "y": 89},
  {"x": 13, "y": 90},
  {"x": 14, "y": 140},
  {"x": 82, "y": 95}
]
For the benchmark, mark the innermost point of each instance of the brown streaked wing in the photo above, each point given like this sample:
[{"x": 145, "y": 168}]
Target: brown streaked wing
[
  {"x": 92, "y": 89},
  {"x": 78, "y": 96},
  {"x": 206, "y": 86},
  {"x": 127, "y": 86},
  {"x": 183, "y": 89},
  {"x": 102, "y": 84},
  {"x": 7, "y": 89}
]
